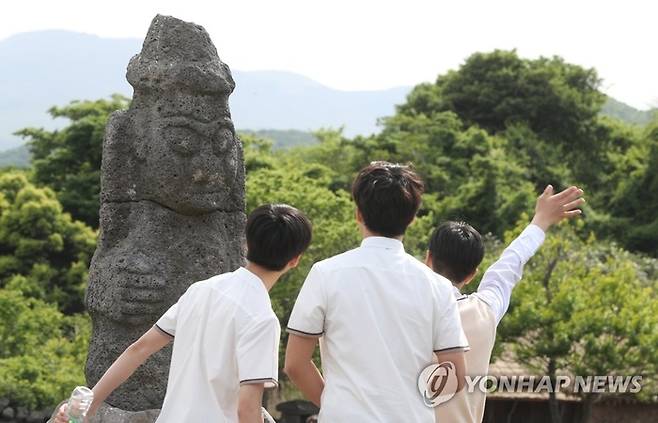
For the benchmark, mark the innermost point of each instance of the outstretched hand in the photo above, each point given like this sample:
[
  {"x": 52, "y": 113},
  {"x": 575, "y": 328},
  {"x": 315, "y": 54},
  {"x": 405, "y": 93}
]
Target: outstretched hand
[
  {"x": 552, "y": 208},
  {"x": 62, "y": 415}
]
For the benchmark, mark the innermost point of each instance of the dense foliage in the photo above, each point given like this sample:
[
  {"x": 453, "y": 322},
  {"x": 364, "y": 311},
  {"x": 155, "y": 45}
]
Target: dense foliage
[
  {"x": 555, "y": 99},
  {"x": 585, "y": 308},
  {"x": 485, "y": 137},
  {"x": 44, "y": 256},
  {"x": 43, "y": 252},
  {"x": 68, "y": 161},
  {"x": 42, "y": 351}
]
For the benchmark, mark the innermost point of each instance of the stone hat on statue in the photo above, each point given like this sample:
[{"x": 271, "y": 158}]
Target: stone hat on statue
[{"x": 176, "y": 53}]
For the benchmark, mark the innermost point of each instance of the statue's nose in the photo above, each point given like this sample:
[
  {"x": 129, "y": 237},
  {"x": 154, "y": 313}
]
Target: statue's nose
[
  {"x": 200, "y": 176},
  {"x": 138, "y": 264},
  {"x": 140, "y": 272},
  {"x": 206, "y": 169}
]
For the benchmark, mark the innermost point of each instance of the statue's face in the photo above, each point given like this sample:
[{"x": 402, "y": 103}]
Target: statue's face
[{"x": 192, "y": 156}]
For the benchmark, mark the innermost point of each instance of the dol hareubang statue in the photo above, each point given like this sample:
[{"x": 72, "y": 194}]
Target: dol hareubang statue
[{"x": 172, "y": 200}]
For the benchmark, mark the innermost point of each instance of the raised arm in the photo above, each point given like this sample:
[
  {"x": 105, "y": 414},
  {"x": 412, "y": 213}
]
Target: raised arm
[{"x": 501, "y": 277}]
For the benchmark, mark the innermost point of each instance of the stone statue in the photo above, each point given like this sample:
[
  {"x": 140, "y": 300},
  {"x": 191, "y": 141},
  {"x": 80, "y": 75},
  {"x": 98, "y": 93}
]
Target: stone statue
[{"x": 172, "y": 200}]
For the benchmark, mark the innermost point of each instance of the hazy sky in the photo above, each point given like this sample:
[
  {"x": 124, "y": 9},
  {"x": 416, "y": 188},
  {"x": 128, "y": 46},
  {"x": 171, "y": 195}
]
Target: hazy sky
[{"x": 374, "y": 44}]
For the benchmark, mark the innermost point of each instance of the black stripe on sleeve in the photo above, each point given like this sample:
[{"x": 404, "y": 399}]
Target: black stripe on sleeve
[
  {"x": 464, "y": 348},
  {"x": 261, "y": 380},
  {"x": 302, "y": 333},
  {"x": 163, "y": 331}
]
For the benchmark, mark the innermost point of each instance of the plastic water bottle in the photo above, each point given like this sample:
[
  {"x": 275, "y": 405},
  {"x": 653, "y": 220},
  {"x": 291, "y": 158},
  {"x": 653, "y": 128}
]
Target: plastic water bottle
[
  {"x": 267, "y": 418},
  {"x": 79, "y": 404}
]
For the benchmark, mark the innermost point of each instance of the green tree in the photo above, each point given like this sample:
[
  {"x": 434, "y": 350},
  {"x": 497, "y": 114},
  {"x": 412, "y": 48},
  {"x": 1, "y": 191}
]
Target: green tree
[
  {"x": 467, "y": 172},
  {"x": 549, "y": 107},
  {"x": 42, "y": 351},
  {"x": 44, "y": 253},
  {"x": 634, "y": 202},
  {"x": 584, "y": 309},
  {"x": 69, "y": 160},
  {"x": 557, "y": 100},
  {"x": 258, "y": 152},
  {"x": 485, "y": 136},
  {"x": 344, "y": 156}
]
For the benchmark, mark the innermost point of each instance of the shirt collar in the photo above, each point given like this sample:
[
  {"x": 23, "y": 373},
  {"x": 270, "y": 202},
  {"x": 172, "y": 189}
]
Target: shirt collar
[
  {"x": 251, "y": 278},
  {"x": 458, "y": 293},
  {"x": 382, "y": 242}
]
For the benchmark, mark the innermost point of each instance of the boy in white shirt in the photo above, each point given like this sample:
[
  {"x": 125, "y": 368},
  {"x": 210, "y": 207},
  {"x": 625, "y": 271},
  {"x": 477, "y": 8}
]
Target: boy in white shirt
[
  {"x": 225, "y": 334},
  {"x": 455, "y": 251},
  {"x": 380, "y": 315}
]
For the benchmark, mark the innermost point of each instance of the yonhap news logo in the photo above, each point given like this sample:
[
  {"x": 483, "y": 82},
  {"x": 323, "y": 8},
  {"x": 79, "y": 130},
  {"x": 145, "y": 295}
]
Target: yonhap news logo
[
  {"x": 601, "y": 384},
  {"x": 437, "y": 383}
]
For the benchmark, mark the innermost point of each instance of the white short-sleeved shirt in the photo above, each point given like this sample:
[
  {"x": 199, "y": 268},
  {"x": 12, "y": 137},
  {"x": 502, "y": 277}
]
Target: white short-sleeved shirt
[
  {"x": 380, "y": 315},
  {"x": 225, "y": 334}
]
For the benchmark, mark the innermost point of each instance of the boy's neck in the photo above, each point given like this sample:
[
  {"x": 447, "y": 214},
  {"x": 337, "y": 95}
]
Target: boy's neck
[
  {"x": 459, "y": 286},
  {"x": 268, "y": 277},
  {"x": 366, "y": 233}
]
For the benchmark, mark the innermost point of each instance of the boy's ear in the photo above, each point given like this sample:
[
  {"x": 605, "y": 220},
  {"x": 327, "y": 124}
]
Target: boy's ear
[
  {"x": 470, "y": 277},
  {"x": 294, "y": 262},
  {"x": 358, "y": 216},
  {"x": 428, "y": 259}
]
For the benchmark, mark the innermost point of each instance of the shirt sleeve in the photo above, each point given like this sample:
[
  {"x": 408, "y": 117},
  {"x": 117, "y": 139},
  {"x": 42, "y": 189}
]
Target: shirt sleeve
[
  {"x": 448, "y": 333},
  {"x": 258, "y": 353},
  {"x": 501, "y": 277},
  {"x": 167, "y": 323},
  {"x": 307, "y": 317}
]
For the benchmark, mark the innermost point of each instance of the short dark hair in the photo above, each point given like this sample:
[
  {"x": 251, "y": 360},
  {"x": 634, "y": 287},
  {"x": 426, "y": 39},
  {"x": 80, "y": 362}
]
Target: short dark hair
[
  {"x": 457, "y": 250},
  {"x": 388, "y": 196},
  {"x": 277, "y": 233}
]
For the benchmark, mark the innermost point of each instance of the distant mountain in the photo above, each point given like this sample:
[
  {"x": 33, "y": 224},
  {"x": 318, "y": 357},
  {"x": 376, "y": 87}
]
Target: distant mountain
[
  {"x": 18, "y": 157},
  {"x": 41, "y": 69},
  {"x": 285, "y": 138},
  {"x": 623, "y": 111},
  {"x": 284, "y": 100}
]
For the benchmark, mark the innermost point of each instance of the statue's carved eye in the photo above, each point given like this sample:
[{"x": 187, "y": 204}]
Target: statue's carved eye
[{"x": 183, "y": 141}]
